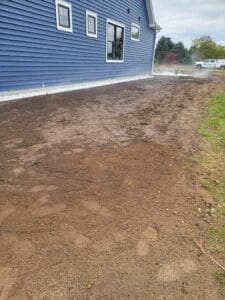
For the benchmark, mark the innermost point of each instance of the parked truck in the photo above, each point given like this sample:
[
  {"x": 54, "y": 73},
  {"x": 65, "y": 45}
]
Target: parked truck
[{"x": 211, "y": 64}]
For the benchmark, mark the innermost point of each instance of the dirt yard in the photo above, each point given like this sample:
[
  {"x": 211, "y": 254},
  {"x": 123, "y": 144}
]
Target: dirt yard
[{"x": 96, "y": 197}]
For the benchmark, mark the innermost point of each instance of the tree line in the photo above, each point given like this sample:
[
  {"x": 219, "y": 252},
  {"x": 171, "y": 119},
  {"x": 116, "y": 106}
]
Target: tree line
[{"x": 168, "y": 52}]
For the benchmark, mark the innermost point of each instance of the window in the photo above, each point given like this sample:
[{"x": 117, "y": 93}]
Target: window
[
  {"x": 115, "y": 42},
  {"x": 135, "y": 32},
  {"x": 91, "y": 23},
  {"x": 64, "y": 15}
]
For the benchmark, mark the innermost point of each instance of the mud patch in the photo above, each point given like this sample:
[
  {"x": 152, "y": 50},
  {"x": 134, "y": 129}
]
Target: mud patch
[
  {"x": 95, "y": 207},
  {"x": 173, "y": 271},
  {"x": 147, "y": 238},
  {"x": 120, "y": 236},
  {"x": 12, "y": 143},
  {"x": 104, "y": 245},
  {"x": 48, "y": 210},
  {"x": 43, "y": 188},
  {"x": 18, "y": 171},
  {"x": 32, "y": 153},
  {"x": 20, "y": 248},
  {"x": 11, "y": 188},
  {"x": 7, "y": 279},
  {"x": 5, "y": 213},
  {"x": 41, "y": 201},
  {"x": 71, "y": 235}
]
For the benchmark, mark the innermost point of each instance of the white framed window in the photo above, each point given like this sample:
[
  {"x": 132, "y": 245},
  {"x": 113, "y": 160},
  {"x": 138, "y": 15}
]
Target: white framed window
[
  {"x": 135, "y": 32},
  {"x": 64, "y": 15},
  {"x": 115, "y": 37},
  {"x": 91, "y": 24}
]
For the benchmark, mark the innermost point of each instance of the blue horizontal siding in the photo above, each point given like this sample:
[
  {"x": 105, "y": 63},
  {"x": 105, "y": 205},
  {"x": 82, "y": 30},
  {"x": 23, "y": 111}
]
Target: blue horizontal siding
[{"x": 34, "y": 53}]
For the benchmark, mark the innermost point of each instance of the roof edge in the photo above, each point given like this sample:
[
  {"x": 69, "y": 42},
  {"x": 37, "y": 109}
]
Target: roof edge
[{"x": 152, "y": 22}]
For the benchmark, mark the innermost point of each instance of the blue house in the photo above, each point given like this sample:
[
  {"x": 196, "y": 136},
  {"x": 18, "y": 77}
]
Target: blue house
[{"x": 48, "y": 46}]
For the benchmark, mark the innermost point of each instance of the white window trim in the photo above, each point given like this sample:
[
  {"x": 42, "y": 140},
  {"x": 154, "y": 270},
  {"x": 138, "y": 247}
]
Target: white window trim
[
  {"x": 121, "y": 25},
  {"x": 138, "y": 26},
  {"x": 68, "y": 5},
  {"x": 92, "y": 14}
]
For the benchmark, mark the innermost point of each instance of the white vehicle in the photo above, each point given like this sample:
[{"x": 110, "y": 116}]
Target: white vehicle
[
  {"x": 211, "y": 64},
  {"x": 220, "y": 64}
]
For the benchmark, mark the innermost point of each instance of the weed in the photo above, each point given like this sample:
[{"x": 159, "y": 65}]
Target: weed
[
  {"x": 218, "y": 234},
  {"x": 220, "y": 278}
]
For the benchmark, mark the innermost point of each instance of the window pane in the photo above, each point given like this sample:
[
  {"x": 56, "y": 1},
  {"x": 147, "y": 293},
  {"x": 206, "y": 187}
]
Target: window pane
[
  {"x": 119, "y": 51},
  {"x": 91, "y": 24},
  {"x": 64, "y": 16},
  {"x": 111, "y": 32},
  {"x": 135, "y": 32},
  {"x": 115, "y": 42},
  {"x": 119, "y": 33},
  {"x": 110, "y": 50},
  {"x": 119, "y": 43}
]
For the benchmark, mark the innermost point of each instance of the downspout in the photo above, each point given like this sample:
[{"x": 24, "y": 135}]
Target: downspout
[
  {"x": 153, "y": 26},
  {"x": 153, "y": 58}
]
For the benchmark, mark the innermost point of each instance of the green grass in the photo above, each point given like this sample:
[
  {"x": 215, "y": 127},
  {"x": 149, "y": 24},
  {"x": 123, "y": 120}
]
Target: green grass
[
  {"x": 219, "y": 73},
  {"x": 212, "y": 130},
  {"x": 220, "y": 278},
  {"x": 217, "y": 190},
  {"x": 218, "y": 234},
  {"x": 213, "y": 127}
]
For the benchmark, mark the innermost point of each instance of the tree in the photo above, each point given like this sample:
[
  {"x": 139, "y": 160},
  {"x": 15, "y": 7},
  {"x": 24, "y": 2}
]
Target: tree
[
  {"x": 169, "y": 52},
  {"x": 164, "y": 46},
  {"x": 220, "y": 51},
  {"x": 183, "y": 56},
  {"x": 205, "y": 47}
]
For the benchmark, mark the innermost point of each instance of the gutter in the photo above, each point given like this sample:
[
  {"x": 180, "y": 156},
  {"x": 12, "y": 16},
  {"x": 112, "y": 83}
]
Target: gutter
[{"x": 152, "y": 23}]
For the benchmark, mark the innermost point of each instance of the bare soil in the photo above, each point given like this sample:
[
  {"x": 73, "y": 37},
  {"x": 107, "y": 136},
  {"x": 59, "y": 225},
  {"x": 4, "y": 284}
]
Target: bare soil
[{"x": 96, "y": 197}]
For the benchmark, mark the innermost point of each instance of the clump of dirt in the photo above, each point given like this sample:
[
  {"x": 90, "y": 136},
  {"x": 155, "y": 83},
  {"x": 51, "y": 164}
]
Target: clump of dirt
[{"x": 96, "y": 201}]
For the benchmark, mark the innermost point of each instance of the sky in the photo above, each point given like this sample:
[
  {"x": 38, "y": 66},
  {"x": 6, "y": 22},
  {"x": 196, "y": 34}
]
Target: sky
[{"x": 185, "y": 20}]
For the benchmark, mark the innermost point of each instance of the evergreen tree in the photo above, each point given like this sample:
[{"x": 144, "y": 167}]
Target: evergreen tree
[
  {"x": 183, "y": 56},
  {"x": 168, "y": 51},
  {"x": 164, "y": 46}
]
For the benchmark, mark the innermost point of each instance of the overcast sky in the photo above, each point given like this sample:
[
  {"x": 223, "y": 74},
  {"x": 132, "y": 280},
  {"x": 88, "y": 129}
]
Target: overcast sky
[{"x": 185, "y": 20}]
